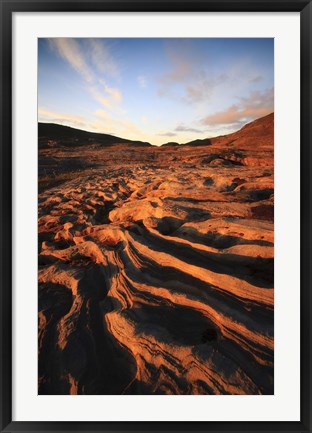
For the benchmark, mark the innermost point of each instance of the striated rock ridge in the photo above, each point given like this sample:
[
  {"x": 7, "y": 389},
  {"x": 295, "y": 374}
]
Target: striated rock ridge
[{"x": 156, "y": 273}]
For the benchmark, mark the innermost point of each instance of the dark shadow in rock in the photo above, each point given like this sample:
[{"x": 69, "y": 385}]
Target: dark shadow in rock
[
  {"x": 168, "y": 225},
  {"x": 261, "y": 194},
  {"x": 101, "y": 215},
  {"x": 216, "y": 240},
  {"x": 263, "y": 212},
  {"x": 210, "y": 334},
  {"x": 54, "y": 302},
  {"x": 208, "y": 182},
  {"x": 179, "y": 325}
]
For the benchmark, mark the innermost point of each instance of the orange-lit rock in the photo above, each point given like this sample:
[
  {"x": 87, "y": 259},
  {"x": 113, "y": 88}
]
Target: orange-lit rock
[{"x": 156, "y": 267}]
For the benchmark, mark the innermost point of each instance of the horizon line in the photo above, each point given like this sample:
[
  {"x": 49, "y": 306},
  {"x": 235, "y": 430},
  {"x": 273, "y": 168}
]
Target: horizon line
[{"x": 155, "y": 145}]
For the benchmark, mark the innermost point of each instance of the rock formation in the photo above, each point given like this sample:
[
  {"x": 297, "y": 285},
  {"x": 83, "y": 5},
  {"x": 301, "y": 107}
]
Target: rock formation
[{"x": 156, "y": 265}]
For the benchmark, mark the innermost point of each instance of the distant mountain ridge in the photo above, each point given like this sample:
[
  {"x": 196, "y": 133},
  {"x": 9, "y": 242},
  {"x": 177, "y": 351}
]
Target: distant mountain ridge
[
  {"x": 259, "y": 132},
  {"x": 198, "y": 142},
  {"x": 261, "y": 129},
  {"x": 78, "y": 137}
]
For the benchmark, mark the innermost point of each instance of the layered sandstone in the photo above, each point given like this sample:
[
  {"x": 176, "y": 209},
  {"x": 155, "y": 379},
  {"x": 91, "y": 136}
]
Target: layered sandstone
[{"x": 156, "y": 266}]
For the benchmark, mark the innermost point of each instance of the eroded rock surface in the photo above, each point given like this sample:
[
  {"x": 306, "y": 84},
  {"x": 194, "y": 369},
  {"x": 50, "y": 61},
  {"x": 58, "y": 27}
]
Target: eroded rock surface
[{"x": 156, "y": 268}]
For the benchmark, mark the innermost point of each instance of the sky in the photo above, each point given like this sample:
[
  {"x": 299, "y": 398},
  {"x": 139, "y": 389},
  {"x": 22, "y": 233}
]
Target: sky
[{"x": 155, "y": 89}]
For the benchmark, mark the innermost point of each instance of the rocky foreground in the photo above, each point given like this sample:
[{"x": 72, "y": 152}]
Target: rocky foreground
[{"x": 156, "y": 266}]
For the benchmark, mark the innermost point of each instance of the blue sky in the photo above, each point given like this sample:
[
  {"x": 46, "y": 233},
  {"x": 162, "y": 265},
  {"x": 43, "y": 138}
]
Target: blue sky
[{"x": 155, "y": 90}]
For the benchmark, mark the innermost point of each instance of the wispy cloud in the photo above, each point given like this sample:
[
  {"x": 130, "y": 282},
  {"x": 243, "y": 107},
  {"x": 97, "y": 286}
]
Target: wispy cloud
[
  {"x": 195, "y": 80},
  {"x": 256, "y": 79},
  {"x": 70, "y": 50},
  {"x": 84, "y": 57},
  {"x": 106, "y": 122},
  {"x": 102, "y": 58},
  {"x": 55, "y": 117},
  {"x": 181, "y": 67},
  {"x": 256, "y": 105},
  {"x": 190, "y": 79},
  {"x": 106, "y": 95},
  {"x": 167, "y": 134},
  {"x": 203, "y": 86},
  {"x": 183, "y": 128},
  {"x": 102, "y": 122}
]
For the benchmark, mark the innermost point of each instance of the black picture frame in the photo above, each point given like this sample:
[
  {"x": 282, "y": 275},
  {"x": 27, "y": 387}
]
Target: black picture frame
[{"x": 7, "y": 9}]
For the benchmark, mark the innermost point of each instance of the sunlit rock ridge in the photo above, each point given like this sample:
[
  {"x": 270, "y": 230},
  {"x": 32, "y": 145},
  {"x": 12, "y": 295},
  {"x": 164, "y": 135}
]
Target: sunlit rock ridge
[{"x": 156, "y": 264}]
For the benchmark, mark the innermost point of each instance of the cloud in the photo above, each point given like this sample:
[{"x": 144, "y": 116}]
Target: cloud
[
  {"x": 104, "y": 122},
  {"x": 113, "y": 93},
  {"x": 256, "y": 105},
  {"x": 104, "y": 115},
  {"x": 190, "y": 78},
  {"x": 183, "y": 128},
  {"x": 181, "y": 67},
  {"x": 106, "y": 95},
  {"x": 56, "y": 117},
  {"x": 180, "y": 71},
  {"x": 256, "y": 79},
  {"x": 100, "y": 97},
  {"x": 119, "y": 126},
  {"x": 70, "y": 50},
  {"x": 101, "y": 57},
  {"x": 84, "y": 57},
  {"x": 204, "y": 86},
  {"x": 142, "y": 81},
  {"x": 167, "y": 134},
  {"x": 194, "y": 77}
]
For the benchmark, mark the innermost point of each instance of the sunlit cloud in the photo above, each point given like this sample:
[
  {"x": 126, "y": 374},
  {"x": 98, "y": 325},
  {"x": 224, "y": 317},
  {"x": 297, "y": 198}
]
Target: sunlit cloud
[
  {"x": 258, "y": 104},
  {"x": 103, "y": 122},
  {"x": 100, "y": 97},
  {"x": 69, "y": 49},
  {"x": 45, "y": 115},
  {"x": 106, "y": 95},
  {"x": 102, "y": 58},
  {"x": 146, "y": 90},
  {"x": 104, "y": 115},
  {"x": 106, "y": 122},
  {"x": 84, "y": 57},
  {"x": 113, "y": 93}
]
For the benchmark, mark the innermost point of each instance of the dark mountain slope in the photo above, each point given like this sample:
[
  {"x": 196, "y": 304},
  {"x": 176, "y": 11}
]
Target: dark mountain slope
[{"x": 51, "y": 134}]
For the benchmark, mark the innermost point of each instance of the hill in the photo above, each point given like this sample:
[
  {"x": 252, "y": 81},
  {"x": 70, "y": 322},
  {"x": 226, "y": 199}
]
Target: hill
[
  {"x": 52, "y": 134},
  {"x": 260, "y": 131}
]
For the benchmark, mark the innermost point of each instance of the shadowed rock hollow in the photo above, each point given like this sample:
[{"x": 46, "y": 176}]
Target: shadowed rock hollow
[{"x": 156, "y": 264}]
